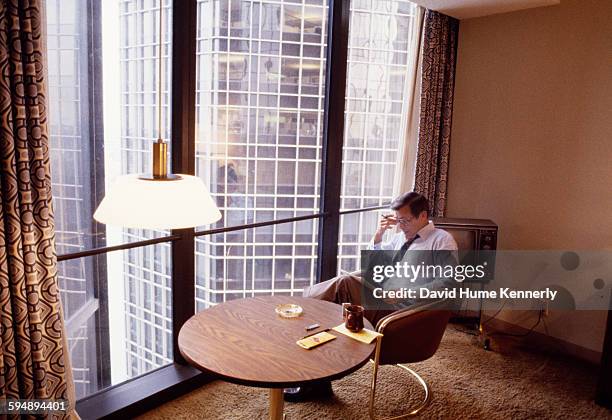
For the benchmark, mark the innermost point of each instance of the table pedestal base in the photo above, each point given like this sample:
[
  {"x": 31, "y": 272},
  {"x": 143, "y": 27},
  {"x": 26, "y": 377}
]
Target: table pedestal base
[{"x": 276, "y": 403}]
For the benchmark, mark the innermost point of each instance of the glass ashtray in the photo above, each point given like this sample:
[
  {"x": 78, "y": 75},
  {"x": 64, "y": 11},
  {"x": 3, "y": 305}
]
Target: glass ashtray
[{"x": 289, "y": 310}]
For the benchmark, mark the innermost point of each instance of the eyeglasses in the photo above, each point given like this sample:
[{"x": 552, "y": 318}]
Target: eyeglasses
[
  {"x": 404, "y": 222},
  {"x": 400, "y": 221}
]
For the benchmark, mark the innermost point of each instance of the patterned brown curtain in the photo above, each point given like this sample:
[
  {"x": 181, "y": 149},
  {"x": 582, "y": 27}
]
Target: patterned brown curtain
[
  {"x": 437, "y": 84},
  {"x": 34, "y": 360}
]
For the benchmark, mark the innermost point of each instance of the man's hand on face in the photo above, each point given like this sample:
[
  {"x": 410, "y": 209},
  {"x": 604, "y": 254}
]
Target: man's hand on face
[{"x": 386, "y": 222}]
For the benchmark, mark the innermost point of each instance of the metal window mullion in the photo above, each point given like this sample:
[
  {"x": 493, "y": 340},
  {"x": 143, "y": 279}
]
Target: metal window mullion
[
  {"x": 331, "y": 171},
  {"x": 183, "y": 73}
]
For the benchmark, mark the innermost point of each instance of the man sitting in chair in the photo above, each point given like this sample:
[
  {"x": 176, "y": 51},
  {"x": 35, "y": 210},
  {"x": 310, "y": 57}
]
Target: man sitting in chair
[{"x": 415, "y": 233}]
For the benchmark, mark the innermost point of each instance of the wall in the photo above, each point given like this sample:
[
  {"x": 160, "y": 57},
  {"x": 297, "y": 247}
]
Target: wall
[{"x": 531, "y": 140}]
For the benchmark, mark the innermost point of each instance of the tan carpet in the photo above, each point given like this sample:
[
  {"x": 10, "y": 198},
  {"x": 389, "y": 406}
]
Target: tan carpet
[{"x": 467, "y": 382}]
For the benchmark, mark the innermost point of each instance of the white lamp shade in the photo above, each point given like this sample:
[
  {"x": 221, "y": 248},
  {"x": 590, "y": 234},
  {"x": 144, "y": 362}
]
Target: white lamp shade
[{"x": 152, "y": 204}]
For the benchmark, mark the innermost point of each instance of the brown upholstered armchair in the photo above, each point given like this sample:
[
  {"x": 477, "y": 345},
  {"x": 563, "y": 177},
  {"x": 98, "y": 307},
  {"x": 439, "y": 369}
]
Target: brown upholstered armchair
[{"x": 410, "y": 335}]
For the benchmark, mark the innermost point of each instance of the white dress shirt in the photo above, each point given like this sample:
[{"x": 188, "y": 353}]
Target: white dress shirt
[{"x": 430, "y": 238}]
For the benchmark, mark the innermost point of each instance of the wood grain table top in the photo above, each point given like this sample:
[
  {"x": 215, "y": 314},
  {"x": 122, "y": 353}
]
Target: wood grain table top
[{"x": 244, "y": 341}]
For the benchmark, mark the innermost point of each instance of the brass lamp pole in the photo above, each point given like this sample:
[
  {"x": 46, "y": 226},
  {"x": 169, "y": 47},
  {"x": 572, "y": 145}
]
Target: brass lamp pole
[{"x": 160, "y": 147}]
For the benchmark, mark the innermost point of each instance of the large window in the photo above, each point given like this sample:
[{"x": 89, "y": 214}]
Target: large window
[
  {"x": 375, "y": 113},
  {"x": 261, "y": 80},
  {"x": 277, "y": 259},
  {"x": 261, "y": 68},
  {"x": 102, "y": 100},
  {"x": 259, "y": 116},
  {"x": 74, "y": 197}
]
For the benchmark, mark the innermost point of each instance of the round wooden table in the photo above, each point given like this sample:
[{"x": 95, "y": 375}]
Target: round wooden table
[{"x": 245, "y": 342}]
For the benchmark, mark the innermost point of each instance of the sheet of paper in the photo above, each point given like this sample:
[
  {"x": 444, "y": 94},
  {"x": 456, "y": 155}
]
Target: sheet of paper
[{"x": 365, "y": 335}]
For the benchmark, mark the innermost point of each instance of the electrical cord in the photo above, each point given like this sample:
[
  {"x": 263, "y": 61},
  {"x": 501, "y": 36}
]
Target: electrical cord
[
  {"x": 463, "y": 310},
  {"x": 495, "y": 314},
  {"x": 468, "y": 332},
  {"x": 525, "y": 334},
  {"x": 505, "y": 334},
  {"x": 501, "y": 333}
]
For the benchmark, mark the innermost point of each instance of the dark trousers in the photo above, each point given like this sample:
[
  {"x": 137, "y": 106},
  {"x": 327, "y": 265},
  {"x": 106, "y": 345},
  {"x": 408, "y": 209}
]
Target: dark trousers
[{"x": 346, "y": 288}]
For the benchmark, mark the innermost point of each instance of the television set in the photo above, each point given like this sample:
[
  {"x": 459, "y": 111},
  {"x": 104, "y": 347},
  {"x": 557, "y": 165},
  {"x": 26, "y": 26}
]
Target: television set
[{"x": 477, "y": 243}]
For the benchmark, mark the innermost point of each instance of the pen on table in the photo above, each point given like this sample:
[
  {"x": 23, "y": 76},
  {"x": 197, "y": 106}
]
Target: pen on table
[{"x": 315, "y": 333}]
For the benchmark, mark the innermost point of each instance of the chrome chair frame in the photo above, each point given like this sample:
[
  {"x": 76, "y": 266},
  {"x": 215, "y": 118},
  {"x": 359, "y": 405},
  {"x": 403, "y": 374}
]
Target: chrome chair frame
[{"x": 382, "y": 324}]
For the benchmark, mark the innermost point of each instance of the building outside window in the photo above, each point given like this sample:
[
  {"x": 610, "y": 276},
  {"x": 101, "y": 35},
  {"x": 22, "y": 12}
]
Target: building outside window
[{"x": 260, "y": 91}]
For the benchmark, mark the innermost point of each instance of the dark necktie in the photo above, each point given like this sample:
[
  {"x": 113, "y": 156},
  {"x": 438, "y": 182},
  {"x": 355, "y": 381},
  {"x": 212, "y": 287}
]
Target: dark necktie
[{"x": 402, "y": 251}]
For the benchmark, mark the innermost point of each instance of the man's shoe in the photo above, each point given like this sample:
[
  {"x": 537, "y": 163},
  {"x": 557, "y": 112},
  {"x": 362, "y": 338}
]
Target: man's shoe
[{"x": 309, "y": 392}]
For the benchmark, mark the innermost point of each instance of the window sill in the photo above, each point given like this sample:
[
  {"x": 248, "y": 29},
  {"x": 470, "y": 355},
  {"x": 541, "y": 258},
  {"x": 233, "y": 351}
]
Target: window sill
[{"x": 143, "y": 393}]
